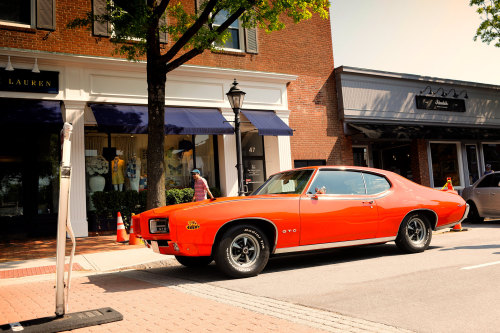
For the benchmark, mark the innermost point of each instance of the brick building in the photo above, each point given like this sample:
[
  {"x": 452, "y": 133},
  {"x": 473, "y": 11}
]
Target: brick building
[{"x": 104, "y": 96}]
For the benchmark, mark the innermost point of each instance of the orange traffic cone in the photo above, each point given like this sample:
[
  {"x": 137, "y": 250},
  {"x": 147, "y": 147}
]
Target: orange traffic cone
[
  {"x": 458, "y": 227},
  {"x": 121, "y": 233},
  {"x": 133, "y": 240},
  {"x": 448, "y": 184}
]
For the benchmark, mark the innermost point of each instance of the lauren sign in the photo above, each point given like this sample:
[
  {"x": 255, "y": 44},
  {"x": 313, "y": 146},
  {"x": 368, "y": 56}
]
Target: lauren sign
[
  {"x": 25, "y": 80},
  {"x": 440, "y": 103}
]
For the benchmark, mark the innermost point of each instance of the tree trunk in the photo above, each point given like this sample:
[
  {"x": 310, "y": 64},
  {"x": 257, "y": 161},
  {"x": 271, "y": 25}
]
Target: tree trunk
[{"x": 156, "y": 78}]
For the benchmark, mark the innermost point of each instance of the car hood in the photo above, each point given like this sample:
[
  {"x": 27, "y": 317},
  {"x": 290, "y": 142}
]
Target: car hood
[{"x": 224, "y": 200}]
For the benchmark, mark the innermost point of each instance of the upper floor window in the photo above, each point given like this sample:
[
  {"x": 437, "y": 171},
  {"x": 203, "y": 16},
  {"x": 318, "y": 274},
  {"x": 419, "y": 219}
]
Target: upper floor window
[
  {"x": 235, "y": 39},
  {"x": 38, "y": 14},
  {"x": 19, "y": 12}
]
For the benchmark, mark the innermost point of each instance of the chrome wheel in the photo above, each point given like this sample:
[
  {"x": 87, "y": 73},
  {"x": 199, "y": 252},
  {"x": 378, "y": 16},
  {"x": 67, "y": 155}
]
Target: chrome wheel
[
  {"x": 416, "y": 231},
  {"x": 244, "y": 250}
]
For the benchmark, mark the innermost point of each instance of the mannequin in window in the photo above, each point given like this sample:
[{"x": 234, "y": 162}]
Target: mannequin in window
[
  {"x": 134, "y": 172},
  {"x": 118, "y": 173}
]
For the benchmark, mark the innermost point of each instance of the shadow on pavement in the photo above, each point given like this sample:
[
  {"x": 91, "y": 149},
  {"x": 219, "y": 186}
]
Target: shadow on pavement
[{"x": 175, "y": 275}]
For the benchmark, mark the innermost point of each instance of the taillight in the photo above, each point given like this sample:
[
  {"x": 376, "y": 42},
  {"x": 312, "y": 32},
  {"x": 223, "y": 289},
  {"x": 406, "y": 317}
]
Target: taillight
[{"x": 136, "y": 224}]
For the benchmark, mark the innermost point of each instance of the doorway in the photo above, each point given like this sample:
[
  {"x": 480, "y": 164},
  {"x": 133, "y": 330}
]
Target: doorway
[{"x": 254, "y": 171}]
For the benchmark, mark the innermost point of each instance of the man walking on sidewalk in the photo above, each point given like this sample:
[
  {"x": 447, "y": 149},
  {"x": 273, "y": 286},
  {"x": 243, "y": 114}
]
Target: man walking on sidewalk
[{"x": 200, "y": 187}]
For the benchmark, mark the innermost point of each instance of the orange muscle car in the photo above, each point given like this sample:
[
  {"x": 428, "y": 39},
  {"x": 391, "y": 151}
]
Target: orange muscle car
[{"x": 301, "y": 210}]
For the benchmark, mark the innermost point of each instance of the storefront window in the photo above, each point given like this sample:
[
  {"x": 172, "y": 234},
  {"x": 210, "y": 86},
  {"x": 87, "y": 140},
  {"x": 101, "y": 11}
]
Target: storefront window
[
  {"x": 491, "y": 152},
  {"x": 445, "y": 164},
  {"x": 29, "y": 183},
  {"x": 118, "y": 162},
  {"x": 179, "y": 151},
  {"x": 205, "y": 158}
]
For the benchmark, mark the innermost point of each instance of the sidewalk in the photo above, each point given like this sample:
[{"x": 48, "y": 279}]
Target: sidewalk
[
  {"x": 27, "y": 291},
  {"x": 93, "y": 255}
]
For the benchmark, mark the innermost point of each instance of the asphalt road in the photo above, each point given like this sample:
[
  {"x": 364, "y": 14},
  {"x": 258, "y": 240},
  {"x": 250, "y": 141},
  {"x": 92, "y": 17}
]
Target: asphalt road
[{"x": 454, "y": 286}]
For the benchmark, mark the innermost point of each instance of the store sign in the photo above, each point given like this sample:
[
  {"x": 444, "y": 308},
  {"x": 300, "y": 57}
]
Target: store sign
[
  {"x": 24, "y": 80},
  {"x": 440, "y": 103}
]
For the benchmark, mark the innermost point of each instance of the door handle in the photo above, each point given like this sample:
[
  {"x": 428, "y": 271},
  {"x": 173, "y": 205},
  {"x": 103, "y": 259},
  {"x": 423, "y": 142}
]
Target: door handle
[{"x": 368, "y": 202}]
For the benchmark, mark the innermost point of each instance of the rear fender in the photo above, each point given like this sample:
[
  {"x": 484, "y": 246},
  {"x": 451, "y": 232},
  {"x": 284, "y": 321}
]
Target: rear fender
[{"x": 428, "y": 213}]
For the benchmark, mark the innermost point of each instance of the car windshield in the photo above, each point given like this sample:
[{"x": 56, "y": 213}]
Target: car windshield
[{"x": 290, "y": 182}]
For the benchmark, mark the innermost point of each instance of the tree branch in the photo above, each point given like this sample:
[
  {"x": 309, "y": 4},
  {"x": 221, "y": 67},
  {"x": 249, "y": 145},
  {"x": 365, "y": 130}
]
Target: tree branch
[
  {"x": 186, "y": 37},
  {"x": 194, "y": 52}
]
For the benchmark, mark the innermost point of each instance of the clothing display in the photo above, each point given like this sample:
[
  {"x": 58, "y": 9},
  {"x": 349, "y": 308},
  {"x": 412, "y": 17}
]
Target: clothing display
[
  {"x": 134, "y": 172},
  {"x": 118, "y": 173}
]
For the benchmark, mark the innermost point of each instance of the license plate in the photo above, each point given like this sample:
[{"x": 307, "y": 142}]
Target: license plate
[{"x": 154, "y": 245}]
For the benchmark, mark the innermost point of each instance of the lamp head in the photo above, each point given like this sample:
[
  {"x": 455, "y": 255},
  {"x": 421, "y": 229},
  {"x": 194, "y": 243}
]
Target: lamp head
[{"x": 235, "y": 96}]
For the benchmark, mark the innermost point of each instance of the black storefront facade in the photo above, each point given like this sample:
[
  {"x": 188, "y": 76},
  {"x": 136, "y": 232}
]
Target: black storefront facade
[
  {"x": 29, "y": 153},
  {"x": 426, "y": 129}
]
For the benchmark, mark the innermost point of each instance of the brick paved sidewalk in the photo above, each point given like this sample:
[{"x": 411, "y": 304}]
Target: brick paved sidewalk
[
  {"x": 30, "y": 249},
  {"x": 145, "y": 307}
]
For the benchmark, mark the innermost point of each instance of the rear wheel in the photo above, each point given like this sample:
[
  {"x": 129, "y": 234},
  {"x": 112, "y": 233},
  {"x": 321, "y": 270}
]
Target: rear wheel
[
  {"x": 414, "y": 234},
  {"x": 242, "y": 252},
  {"x": 473, "y": 216},
  {"x": 194, "y": 261}
]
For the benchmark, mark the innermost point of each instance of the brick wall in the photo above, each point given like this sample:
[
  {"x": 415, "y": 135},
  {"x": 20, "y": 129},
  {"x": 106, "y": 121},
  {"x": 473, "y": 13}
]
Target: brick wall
[
  {"x": 420, "y": 162},
  {"x": 303, "y": 49}
]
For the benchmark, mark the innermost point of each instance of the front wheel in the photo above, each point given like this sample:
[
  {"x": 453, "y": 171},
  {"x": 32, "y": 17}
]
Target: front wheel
[
  {"x": 194, "y": 261},
  {"x": 414, "y": 234},
  {"x": 243, "y": 251}
]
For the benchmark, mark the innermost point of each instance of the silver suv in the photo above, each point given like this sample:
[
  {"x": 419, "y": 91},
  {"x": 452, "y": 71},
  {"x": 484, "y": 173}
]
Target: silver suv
[{"x": 483, "y": 198}]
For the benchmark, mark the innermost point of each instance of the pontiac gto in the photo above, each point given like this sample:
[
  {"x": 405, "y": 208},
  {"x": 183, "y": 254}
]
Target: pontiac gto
[{"x": 301, "y": 210}]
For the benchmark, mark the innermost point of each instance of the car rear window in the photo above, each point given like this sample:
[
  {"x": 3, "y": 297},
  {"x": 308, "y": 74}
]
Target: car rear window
[{"x": 375, "y": 184}]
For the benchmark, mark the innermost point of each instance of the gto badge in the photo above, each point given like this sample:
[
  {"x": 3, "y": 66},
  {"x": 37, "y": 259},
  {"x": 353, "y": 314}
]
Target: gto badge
[
  {"x": 289, "y": 230},
  {"x": 192, "y": 225}
]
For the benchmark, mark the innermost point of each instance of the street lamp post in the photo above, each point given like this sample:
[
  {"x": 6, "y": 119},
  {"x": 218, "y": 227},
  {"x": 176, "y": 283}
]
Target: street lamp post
[{"x": 235, "y": 97}]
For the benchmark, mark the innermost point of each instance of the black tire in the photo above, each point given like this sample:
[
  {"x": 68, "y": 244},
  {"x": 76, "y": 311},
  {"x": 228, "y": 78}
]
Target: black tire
[
  {"x": 194, "y": 261},
  {"x": 243, "y": 251},
  {"x": 473, "y": 216},
  {"x": 414, "y": 234}
]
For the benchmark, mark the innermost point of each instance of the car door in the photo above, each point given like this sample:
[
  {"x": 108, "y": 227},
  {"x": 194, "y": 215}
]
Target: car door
[
  {"x": 345, "y": 212},
  {"x": 487, "y": 196}
]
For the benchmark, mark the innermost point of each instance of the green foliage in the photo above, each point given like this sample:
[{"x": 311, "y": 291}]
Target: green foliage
[
  {"x": 176, "y": 196},
  {"x": 489, "y": 29}
]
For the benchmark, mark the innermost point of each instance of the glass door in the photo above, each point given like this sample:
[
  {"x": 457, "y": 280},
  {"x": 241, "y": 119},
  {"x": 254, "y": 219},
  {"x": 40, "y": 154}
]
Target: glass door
[
  {"x": 254, "y": 171},
  {"x": 472, "y": 163}
]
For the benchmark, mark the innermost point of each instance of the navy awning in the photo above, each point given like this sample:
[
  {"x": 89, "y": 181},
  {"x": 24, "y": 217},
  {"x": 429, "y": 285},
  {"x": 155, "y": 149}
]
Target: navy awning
[
  {"x": 117, "y": 118},
  {"x": 15, "y": 111},
  {"x": 195, "y": 121},
  {"x": 267, "y": 123}
]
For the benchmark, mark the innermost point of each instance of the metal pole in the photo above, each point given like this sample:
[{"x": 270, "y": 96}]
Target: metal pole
[
  {"x": 65, "y": 182},
  {"x": 239, "y": 161}
]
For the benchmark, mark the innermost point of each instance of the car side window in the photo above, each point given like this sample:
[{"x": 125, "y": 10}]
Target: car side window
[
  {"x": 488, "y": 181},
  {"x": 375, "y": 184},
  {"x": 339, "y": 182}
]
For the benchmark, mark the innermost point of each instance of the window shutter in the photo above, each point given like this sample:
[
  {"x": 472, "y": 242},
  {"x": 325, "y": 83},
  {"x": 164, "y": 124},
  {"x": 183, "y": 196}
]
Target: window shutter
[
  {"x": 198, "y": 4},
  {"x": 46, "y": 14},
  {"x": 251, "y": 44},
  {"x": 163, "y": 35},
  {"x": 100, "y": 28}
]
